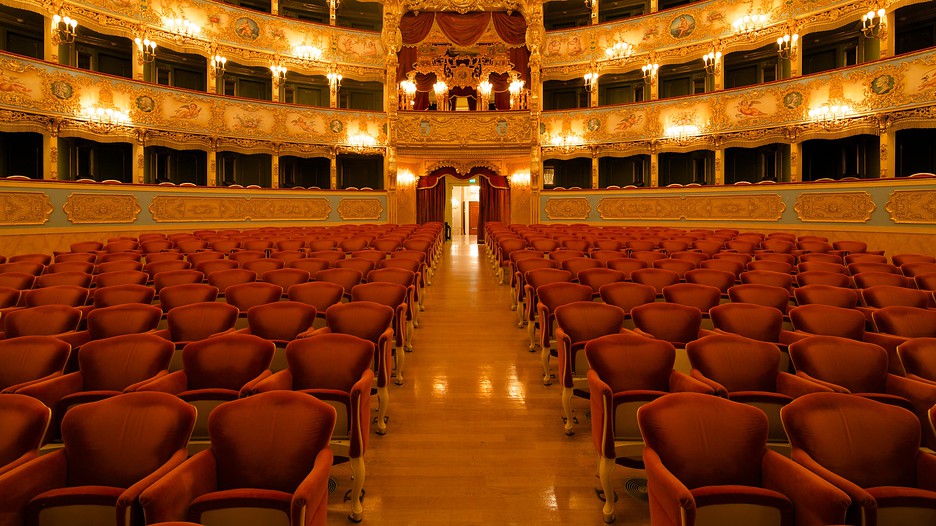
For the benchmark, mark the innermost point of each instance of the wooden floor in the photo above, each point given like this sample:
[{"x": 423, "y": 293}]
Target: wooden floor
[{"x": 474, "y": 436}]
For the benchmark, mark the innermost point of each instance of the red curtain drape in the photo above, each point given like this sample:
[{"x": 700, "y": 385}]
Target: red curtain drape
[
  {"x": 495, "y": 199},
  {"x": 494, "y": 196},
  {"x": 430, "y": 199},
  {"x": 415, "y": 27}
]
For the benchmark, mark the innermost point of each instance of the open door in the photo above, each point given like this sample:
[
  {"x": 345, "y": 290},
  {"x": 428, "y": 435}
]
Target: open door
[{"x": 474, "y": 208}]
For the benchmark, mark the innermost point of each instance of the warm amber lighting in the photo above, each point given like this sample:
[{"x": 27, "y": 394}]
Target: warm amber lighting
[
  {"x": 749, "y": 23},
  {"x": 64, "y": 29},
  {"x": 650, "y": 72},
  {"x": 182, "y": 27},
  {"x": 218, "y": 62},
  {"x": 146, "y": 47},
  {"x": 306, "y": 52},
  {"x": 279, "y": 72},
  {"x": 787, "y": 45},
  {"x": 334, "y": 78},
  {"x": 712, "y": 62},
  {"x": 406, "y": 179},
  {"x": 520, "y": 179},
  {"x": 874, "y": 23}
]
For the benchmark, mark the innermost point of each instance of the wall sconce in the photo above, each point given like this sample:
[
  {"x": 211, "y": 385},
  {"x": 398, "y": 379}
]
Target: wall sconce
[
  {"x": 279, "y": 72},
  {"x": 64, "y": 29},
  {"x": 307, "y": 53},
  {"x": 520, "y": 180},
  {"x": 749, "y": 24},
  {"x": 405, "y": 179},
  {"x": 334, "y": 78},
  {"x": 591, "y": 78},
  {"x": 619, "y": 50},
  {"x": 874, "y": 24},
  {"x": 566, "y": 143},
  {"x": 146, "y": 47},
  {"x": 485, "y": 88},
  {"x": 591, "y": 4},
  {"x": 182, "y": 27},
  {"x": 650, "y": 72},
  {"x": 786, "y": 46},
  {"x": 682, "y": 133},
  {"x": 712, "y": 61},
  {"x": 408, "y": 92},
  {"x": 441, "y": 90},
  {"x": 828, "y": 115},
  {"x": 517, "y": 93},
  {"x": 104, "y": 119},
  {"x": 218, "y": 62},
  {"x": 361, "y": 142}
]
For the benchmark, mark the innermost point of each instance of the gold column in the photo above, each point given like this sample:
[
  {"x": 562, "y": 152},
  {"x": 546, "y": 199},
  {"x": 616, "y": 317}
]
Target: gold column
[
  {"x": 50, "y": 155},
  {"x": 331, "y": 12},
  {"x": 594, "y": 167},
  {"x": 51, "y": 50},
  {"x": 274, "y": 7},
  {"x": 654, "y": 169},
  {"x": 536, "y": 182},
  {"x": 888, "y": 147},
  {"x": 654, "y": 6},
  {"x": 212, "y": 178},
  {"x": 332, "y": 96},
  {"x": 277, "y": 83},
  {"x": 886, "y": 37},
  {"x": 594, "y": 11},
  {"x": 719, "y": 165},
  {"x": 333, "y": 169},
  {"x": 593, "y": 95},
  {"x": 139, "y": 149},
  {"x": 139, "y": 65},
  {"x": 212, "y": 78},
  {"x": 796, "y": 153},
  {"x": 274, "y": 174}
]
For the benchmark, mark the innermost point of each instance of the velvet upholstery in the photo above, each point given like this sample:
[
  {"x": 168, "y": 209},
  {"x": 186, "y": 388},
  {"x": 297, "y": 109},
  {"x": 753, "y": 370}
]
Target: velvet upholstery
[
  {"x": 704, "y": 452},
  {"x": 760, "y": 294},
  {"x": 826, "y": 295},
  {"x": 222, "y": 279},
  {"x": 849, "y": 366},
  {"x": 280, "y": 322},
  {"x": 247, "y": 295},
  {"x": 866, "y": 280},
  {"x": 25, "y": 420},
  {"x": 45, "y": 320},
  {"x": 372, "y": 322},
  {"x": 533, "y": 279},
  {"x": 753, "y": 321},
  {"x": 249, "y": 466},
  {"x": 767, "y": 277},
  {"x": 578, "y": 323},
  {"x": 702, "y": 297},
  {"x": 627, "y": 371},
  {"x": 129, "y": 318},
  {"x": 627, "y": 265},
  {"x": 77, "y": 279},
  {"x": 822, "y": 277},
  {"x": 549, "y": 298},
  {"x": 907, "y": 322},
  {"x": 918, "y": 357},
  {"x": 867, "y": 449},
  {"x": 186, "y": 294},
  {"x": 285, "y": 277},
  {"x": 408, "y": 279},
  {"x": 627, "y": 295},
  {"x": 319, "y": 294},
  {"x": 28, "y": 359},
  {"x": 261, "y": 265},
  {"x": 679, "y": 266},
  {"x": 672, "y": 322},
  {"x": 197, "y": 321},
  {"x": 598, "y": 277},
  {"x": 346, "y": 277},
  {"x": 113, "y": 450},
  {"x": 17, "y": 280},
  {"x": 120, "y": 277},
  {"x": 152, "y": 269},
  {"x": 724, "y": 265},
  {"x": 887, "y": 295},
  {"x": 655, "y": 277},
  {"x": 828, "y": 320},
  {"x": 336, "y": 368},
  {"x": 209, "y": 266},
  {"x": 578, "y": 264},
  {"x": 71, "y": 295},
  {"x": 176, "y": 277}
]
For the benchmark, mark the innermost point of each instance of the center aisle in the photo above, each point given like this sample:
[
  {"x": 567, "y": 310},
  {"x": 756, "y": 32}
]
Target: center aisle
[{"x": 474, "y": 436}]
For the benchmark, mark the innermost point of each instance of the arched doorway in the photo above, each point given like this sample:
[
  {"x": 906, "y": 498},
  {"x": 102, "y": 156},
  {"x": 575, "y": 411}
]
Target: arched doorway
[{"x": 494, "y": 201}]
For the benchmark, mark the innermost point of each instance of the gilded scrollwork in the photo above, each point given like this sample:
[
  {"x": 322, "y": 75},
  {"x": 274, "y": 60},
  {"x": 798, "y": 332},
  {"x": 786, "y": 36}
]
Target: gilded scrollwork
[
  {"x": 912, "y": 206},
  {"x": 24, "y": 208},
  {"x": 834, "y": 207},
  {"x": 761, "y": 207},
  {"x": 101, "y": 208},
  {"x": 463, "y": 128},
  {"x": 567, "y": 208},
  {"x": 184, "y": 209},
  {"x": 360, "y": 209}
]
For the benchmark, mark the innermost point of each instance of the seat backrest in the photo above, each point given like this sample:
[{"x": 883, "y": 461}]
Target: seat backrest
[
  {"x": 864, "y": 441},
  {"x": 918, "y": 357},
  {"x": 178, "y": 295},
  {"x": 226, "y": 278},
  {"x": 857, "y": 366},
  {"x": 389, "y": 294},
  {"x": 25, "y": 420},
  {"x": 758, "y": 294},
  {"x": 120, "y": 440},
  {"x": 828, "y": 320},
  {"x": 735, "y": 362},
  {"x": 628, "y": 362},
  {"x": 864, "y": 280},
  {"x": 826, "y": 295},
  {"x": 197, "y": 321},
  {"x": 176, "y": 277},
  {"x": 249, "y": 456},
  {"x": 721, "y": 279},
  {"x": 44, "y": 320},
  {"x": 119, "y": 294},
  {"x": 552, "y": 295},
  {"x": 821, "y": 277},
  {"x": 228, "y": 361},
  {"x": 887, "y": 295},
  {"x": 670, "y": 322},
  {"x": 598, "y": 277},
  {"x": 706, "y": 440},
  {"x": 71, "y": 295},
  {"x": 329, "y": 361},
  {"x": 364, "y": 319},
  {"x": 77, "y": 279},
  {"x": 283, "y": 320},
  {"x": 587, "y": 320},
  {"x": 246, "y": 295},
  {"x": 115, "y": 363},
  {"x": 29, "y": 358},
  {"x": 392, "y": 275},
  {"x": 766, "y": 277},
  {"x": 346, "y": 277},
  {"x": 285, "y": 277},
  {"x": 129, "y": 318},
  {"x": 909, "y": 322},
  {"x": 120, "y": 277},
  {"x": 17, "y": 280},
  {"x": 702, "y": 297},
  {"x": 320, "y": 294},
  {"x": 655, "y": 277},
  {"x": 749, "y": 320},
  {"x": 627, "y": 295}
]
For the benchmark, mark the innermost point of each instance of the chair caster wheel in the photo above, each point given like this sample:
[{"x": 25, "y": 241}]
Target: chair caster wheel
[{"x": 358, "y": 517}]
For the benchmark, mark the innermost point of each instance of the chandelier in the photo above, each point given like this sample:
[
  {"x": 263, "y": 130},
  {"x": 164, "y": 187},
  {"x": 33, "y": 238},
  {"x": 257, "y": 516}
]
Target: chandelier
[
  {"x": 829, "y": 114},
  {"x": 786, "y": 46},
  {"x": 485, "y": 89},
  {"x": 517, "y": 93},
  {"x": 218, "y": 62},
  {"x": 566, "y": 143},
  {"x": 619, "y": 50},
  {"x": 64, "y": 29},
  {"x": 182, "y": 27},
  {"x": 334, "y": 78},
  {"x": 749, "y": 24},
  {"x": 104, "y": 119},
  {"x": 591, "y": 79},
  {"x": 874, "y": 24},
  {"x": 361, "y": 142},
  {"x": 408, "y": 92},
  {"x": 682, "y": 133},
  {"x": 279, "y": 72},
  {"x": 307, "y": 53},
  {"x": 441, "y": 90}
]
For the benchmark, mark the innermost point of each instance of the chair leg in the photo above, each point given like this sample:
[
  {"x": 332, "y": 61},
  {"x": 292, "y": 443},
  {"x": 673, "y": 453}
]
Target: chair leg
[
  {"x": 400, "y": 357},
  {"x": 544, "y": 356},
  {"x": 605, "y": 467},
  {"x": 357, "y": 486},
  {"x": 567, "y": 410},
  {"x": 521, "y": 309},
  {"x": 531, "y": 331},
  {"x": 383, "y": 400},
  {"x": 409, "y": 336}
]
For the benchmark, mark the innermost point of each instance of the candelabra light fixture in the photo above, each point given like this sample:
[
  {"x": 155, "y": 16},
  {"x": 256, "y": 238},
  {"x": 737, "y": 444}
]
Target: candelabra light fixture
[
  {"x": 749, "y": 24},
  {"x": 591, "y": 78},
  {"x": 334, "y": 78},
  {"x": 440, "y": 88},
  {"x": 408, "y": 92},
  {"x": 712, "y": 61},
  {"x": 829, "y": 114},
  {"x": 874, "y": 23},
  {"x": 682, "y": 133},
  {"x": 787, "y": 45},
  {"x": 218, "y": 62},
  {"x": 619, "y": 50},
  {"x": 278, "y": 71},
  {"x": 146, "y": 47},
  {"x": 485, "y": 89},
  {"x": 104, "y": 119},
  {"x": 517, "y": 92},
  {"x": 361, "y": 142},
  {"x": 520, "y": 180},
  {"x": 405, "y": 179},
  {"x": 64, "y": 29},
  {"x": 591, "y": 3},
  {"x": 650, "y": 72},
  {"x": 307, "y": 53},
  {"x": 566, "y": 143},
  {"x": 182, "y": 27}
]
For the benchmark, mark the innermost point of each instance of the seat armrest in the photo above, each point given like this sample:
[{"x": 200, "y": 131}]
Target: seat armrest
[
  {"x": 51, "y": 391},
  {"x": 816, "y": 502},
  {"x": 168, "y": 498},
  {"x": 719, "y": 389},
  {"x": 313, "y": 332},
  {"x": 247, "y": 388},
  {"x": 858, "y": 495},
  {"x": 681, "y": 382},
  {"x": 15, "y": 388},
  {"x": 132, "y": 494},
  {"x": 834, "y": 387},
  {"x": 172, "y": 383},
  {"x": 312, "y": 488},
  {"x": 134, "y": 386},
  {"x": 796, "y": 386},
  {"x": 926, "y": 470},
  {"x": 280, "y": 381},
  {"x": 20, "y": 485},
  {"x": 674, "y": 497},
  {"x": 921, "y": 395}
]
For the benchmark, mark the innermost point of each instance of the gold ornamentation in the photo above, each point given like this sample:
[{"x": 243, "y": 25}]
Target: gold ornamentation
[
  {"x": 463, "y": 129},
  {"x": 183, "y": 209},
  {"x": 912, "y": 206},
  {"x": 24, "y": 208},
  {"x": 461, "y": 6},
  {"x": 102, "y": 208},
  {"x": 834, "y": 207},
  {"x": 567, "y": 208},
  {"x": 766, "y": 207},
  {"x": 351, "y": 209}
]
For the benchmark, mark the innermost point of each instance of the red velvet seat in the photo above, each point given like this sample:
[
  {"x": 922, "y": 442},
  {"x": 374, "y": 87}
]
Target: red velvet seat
[
  {"x": 70, "y": 266},
  {"x": 215, "y": 371},
  {"x": 374, "y": 323},
  {"x": 167, "y": 256},
  {"x": 261, "y": 265},
  {"x": 627, "y": 371},
  {"x": 757, "y": 322},
  {"x": 394, "y": 296},
  {"x": 210, "y": 266},
  {"x": 865, "y": 280},
  {"x": 670, "y": 322},
  {"x": 912, "y": 269},
  {"x": 25, "y": 420},
  {"x": 707, "y": 463},
  {"x": 121, "y": 294},
  {"x": 577, "y": 323},
  {"x": 724, "y": 265},
  {"x": 22, "y": 267},
  {"x": 120, "y": 277},
  {"x": 346, "y": 277},
  {"x": 759, "y": 294},
  {"x": 766, "y": 277},
  {"x": 75, "y": 279},
  {"x": 770, "y": 265},
  {"x": 849, "y": 366},
  {"x": 198, "y": 258},
  {"x": 826, "y": 295},
  {"x": 533, "y": 279},
  {"x": 186, "y": 294},
  {"x": 821, "y": 277},
  {"x": 887, "y": 295},
  {"x": 243, "y": 256},
  {"x": 194, "y": 322},
  {"x": 599, "y": 277},
  {"x": 901, "y": 259},
  {"x": 105, "y": 322},
  {"x": 823, "y": 266},
  {"x": 332, "y": 256},
  {"x": 870, "y": 451},
  {"x": 549, "y": 297},
  {"x": 222, "y": 279},
  {"x": 152, "y": 269},
  {"x": 286, "y": 277},
  {"x": 747, "y": 371},
  {"x": 71, "y": 295},
  {"x": 246, "y": 295},
  {"x": 17, "y": 280},
  {"x": 519, "y": 283},
  {"x": 918, "y": 357},
  {"x": 113, "y": 450},
  {"x": 9, "y": 297},
  {"x": 861, "y": 267},
  {"x": 280, "y": 323},
  {"x": 28, "y": 359},
  {"x": 172, "y": 278},
  {"x": 655, "y": 277},
  {"x": 336, "y": 368},
  {"x": 702, "y": 297},
  {"x": 578, "y": 264},
  {"x": 45, "y": 320}
]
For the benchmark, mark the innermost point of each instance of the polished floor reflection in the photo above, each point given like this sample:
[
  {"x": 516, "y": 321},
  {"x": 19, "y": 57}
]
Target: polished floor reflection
[{"x": 474, "y": 435}]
